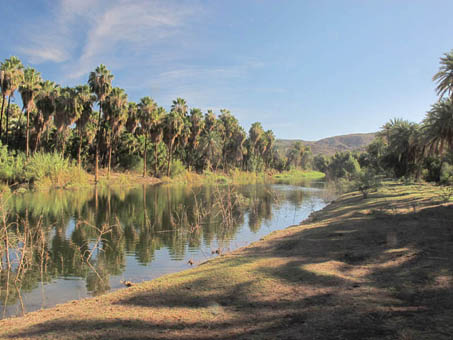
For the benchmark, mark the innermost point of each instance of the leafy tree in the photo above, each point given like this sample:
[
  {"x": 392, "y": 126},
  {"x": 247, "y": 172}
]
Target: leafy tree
[
  {"x": 343, "y": 165},
  {"x": 320, "y": 163}
]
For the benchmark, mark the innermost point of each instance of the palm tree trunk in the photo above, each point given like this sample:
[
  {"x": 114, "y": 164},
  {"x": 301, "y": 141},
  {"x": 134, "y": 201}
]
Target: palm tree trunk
[
  {"x": 1, "y": 115},
  {"x": 38, "y": 139},
  {"x": 79, "y": 160},
  {"x": 169, "y": 158},
  {"x": 18, "y": 124},
  {"x": 63, "y": 144},
  {"x": 7, "y": 119},
  {"x": 97, "y": 144},
  {"x": 144, "y": 156},
  {"x": 27, "y": 135},
  {"x": 155, "y": 160},
  {"x": 110, "y": 159}
]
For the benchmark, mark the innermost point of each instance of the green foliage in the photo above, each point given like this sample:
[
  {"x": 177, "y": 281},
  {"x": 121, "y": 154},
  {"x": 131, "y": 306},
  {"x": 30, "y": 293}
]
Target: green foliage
[
  {"x": 343, "y": 165},
  {"x": 368, "y": 181},
  {"x": 446, "y": 174},
  {"x": 177, "y": 168},
  {"x": 320, "y": 163},
  {"x": 11, "y": 166},
  {"x": 52, "y": 170}
]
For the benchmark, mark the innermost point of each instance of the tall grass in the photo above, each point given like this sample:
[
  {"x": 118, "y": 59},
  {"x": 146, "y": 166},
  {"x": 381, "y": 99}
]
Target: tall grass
[
  {"x": 52, "y": 170},
  {"x": 40, "y": 170},
  {"x": 295, "y": 176}
]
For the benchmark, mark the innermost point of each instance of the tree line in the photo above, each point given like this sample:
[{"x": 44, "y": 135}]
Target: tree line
[
  {"x": 405, "y": 149},
  {"x": 122, "y": 133}
]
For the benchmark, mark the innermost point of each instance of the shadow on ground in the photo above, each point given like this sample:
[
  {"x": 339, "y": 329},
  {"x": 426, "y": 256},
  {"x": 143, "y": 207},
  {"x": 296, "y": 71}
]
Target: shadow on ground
[{"x": 384, "y": 272}]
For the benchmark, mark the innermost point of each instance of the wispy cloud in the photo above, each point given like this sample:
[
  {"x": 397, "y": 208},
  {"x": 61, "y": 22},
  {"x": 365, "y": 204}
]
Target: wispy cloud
[
  {"x": 83, "y": 33},
  {"x": 133, "y": 26}
]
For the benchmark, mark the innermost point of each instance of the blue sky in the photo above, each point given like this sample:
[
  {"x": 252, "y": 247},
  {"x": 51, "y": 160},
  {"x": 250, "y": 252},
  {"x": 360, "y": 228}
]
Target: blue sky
[{"x": 305, "y": 69}]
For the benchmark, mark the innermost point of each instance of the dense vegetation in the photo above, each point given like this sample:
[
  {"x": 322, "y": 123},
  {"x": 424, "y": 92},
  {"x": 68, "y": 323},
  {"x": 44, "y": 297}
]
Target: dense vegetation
[
  {"x": 141, "y": 136},
  {"x": 403, "y": 149},
  {"x": 59, "y": 125}
]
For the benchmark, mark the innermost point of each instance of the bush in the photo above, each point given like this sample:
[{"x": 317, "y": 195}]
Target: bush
[
  {"x": 368, "y": 181},
  {"x": 177, "y": 168},
  {"x": 446, "y": 174},
  {"x": 52, "y": 170}
]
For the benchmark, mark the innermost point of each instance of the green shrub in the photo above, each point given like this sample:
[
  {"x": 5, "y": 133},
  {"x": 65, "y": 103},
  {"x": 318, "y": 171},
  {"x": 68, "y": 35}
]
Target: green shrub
[
  {"x": 52, "y": 170},
  {"x": 177, "y": 168},
  {"x": 368, "y": 181},
  {"x": 446, "y": 174}
]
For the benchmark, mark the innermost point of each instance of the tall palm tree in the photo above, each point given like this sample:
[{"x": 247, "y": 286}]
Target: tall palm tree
[
  {"x": 438, "y": 126},
  {"x": 268, "y": 154},
  {"x": 11, "y": 75},
  {"x": 68, "y": 110},
  {"x": 46, "y": 104},
  {"x": 115, "y": 111},
  {"x": 132, "y": 117},
  {"x": 404, "y": 146},
  {"x": 444, "y": 77},
  {"x": 28, "y": 90},
  {"x": 86, "y": 99},
  {"x": 100, "y": 82},
  {"x": 149, "y": 119},
  {"x": 256, "y": 133},
  {"x": 179, "y": 105},
  {"x": 157, "y": 135},
  {"x": 174, "y": 125}
]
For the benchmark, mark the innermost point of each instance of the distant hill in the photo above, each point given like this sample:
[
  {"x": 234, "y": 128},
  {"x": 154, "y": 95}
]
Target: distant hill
[{"x": 330, "y": 145}]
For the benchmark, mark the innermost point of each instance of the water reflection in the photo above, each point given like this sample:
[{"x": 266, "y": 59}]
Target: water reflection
[{"x": 52, "y": 241}]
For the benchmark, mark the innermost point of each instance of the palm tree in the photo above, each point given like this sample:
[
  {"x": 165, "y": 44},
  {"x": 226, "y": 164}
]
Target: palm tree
[
  {"x": 404, "y": 146},
  {"x": 156, "y": 136},
  {"x": 174, "y": 125},
  {"x": 115, "y": 111},
  {"x": 46, "y": 104},
  {"x": 444, "y": 77},
  {"x": 132, "y": 117},
  {"x": 86, "y": 99},
  {"x": 179, "y": 105},
  {"x": 11, "y": 75},
  {"x": 438, "y": 126},
  {"x": 256, "y": 133},
  {"x": 100, "y": 82},
  {"x": 268, "y": 154},
  {"x": 28, "y": 90},
  {"x": 149, "y": 119},
  {"x": 68, "y": 110}
]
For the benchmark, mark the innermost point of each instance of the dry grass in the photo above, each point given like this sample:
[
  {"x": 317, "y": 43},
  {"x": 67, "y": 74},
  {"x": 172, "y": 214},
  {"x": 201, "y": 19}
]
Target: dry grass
[{"x": 379, "y": 268}]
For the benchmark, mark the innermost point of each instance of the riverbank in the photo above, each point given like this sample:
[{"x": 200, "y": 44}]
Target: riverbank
[
  {"x": 377, "y": 268},
  {"x": 115, "y": 178}
]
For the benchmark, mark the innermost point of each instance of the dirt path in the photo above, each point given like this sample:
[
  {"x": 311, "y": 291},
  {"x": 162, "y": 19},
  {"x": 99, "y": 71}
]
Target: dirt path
[{"x": 380, "y": 268}]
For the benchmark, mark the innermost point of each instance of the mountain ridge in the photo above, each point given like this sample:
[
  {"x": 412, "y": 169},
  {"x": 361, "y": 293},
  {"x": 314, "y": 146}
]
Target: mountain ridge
[{"x": 330, "y": 145}]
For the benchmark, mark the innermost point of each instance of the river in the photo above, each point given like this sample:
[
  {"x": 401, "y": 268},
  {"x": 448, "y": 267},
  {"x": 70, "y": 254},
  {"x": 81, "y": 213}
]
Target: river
[{"x": 70, "y": 244}]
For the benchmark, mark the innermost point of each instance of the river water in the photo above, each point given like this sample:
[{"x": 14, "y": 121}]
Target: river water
[{"x": 66, "y": 245}]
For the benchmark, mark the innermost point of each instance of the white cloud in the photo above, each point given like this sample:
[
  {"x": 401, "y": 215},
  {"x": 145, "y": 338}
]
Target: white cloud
[
  {"x": 134, "y": 25},
  {"x": 83, "y": 33},
  {"x": 42, "y": 53}
]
